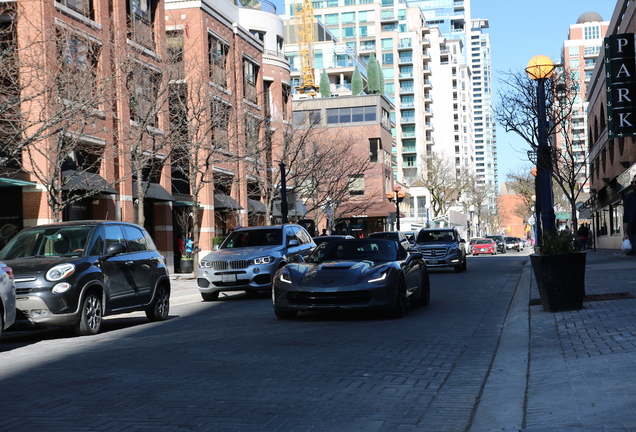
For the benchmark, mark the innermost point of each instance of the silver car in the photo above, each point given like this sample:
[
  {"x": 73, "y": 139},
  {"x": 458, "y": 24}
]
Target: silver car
[
  {"x": 7, "y": 297},
  {"x": 248, "y": 258}
]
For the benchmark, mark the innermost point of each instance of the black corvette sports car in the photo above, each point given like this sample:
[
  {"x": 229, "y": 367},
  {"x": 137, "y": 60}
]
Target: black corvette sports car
[{"x": 373, "y": 274}]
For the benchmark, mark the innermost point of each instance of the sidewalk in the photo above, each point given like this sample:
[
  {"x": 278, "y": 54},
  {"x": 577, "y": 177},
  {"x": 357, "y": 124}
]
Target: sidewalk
[{"x": 567, "y": 371}]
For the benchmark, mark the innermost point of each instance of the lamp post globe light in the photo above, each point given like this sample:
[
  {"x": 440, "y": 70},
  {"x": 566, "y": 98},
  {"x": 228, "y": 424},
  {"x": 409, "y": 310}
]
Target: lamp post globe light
[
  {"x": 397, "y": 196},
  {"x": 540, "y": 68}
]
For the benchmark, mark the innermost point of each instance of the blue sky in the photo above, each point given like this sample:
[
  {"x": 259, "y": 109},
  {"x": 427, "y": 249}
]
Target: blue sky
[{"x": 519, "y": 30}]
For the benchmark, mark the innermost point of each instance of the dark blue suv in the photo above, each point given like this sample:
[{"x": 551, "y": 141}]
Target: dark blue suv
[{"x": 74, "y": 273}]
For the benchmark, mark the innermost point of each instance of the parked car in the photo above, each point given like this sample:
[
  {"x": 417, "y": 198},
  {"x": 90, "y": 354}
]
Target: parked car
[
  {"x": 371, "y": 273},
  {"x": 501, "y": 243},
  {"x": 411, "y": 236},
  {"x": 512, "y": 243},
  {"x": 522, "y": 243},
  {"x": 75, "y": 273},
  {"x": 7, "y": 297},
  {"x": 442, "y": 247},
  {"x": 471, "y": 242},
  {"x": 485, "y": 246},
  {"x": 398, "y": 236},
  {"x": 248, "y": 258},
  {"x": 321, "y": 239}
]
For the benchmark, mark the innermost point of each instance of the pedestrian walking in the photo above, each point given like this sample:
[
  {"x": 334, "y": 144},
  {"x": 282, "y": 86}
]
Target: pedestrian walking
[
  {"x": 629, "y": 216},
  {"x": 583, "y": 233},
  {"x": 189, "y": 244}
]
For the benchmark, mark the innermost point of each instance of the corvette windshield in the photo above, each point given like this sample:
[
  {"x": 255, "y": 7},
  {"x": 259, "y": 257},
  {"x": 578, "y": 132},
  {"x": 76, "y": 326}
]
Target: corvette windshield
[{"x": 355, "y": 250}]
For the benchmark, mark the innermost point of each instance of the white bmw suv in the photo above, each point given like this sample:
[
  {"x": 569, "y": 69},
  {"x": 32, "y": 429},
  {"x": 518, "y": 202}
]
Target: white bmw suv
[{"x": 248, "y": 258}]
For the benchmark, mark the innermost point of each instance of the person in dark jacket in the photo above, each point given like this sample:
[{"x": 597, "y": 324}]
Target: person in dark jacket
[{"x": 583, "y": 233}]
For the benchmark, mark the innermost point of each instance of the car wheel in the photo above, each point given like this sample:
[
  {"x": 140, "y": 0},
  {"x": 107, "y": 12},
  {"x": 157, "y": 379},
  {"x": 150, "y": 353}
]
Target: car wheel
[
  {"x": 459, "y": 267},
  {"x": 464, "y": 264},
  {"x": 161, "y": 305},
  {"x": 210, "y": 296},
  {"x": 399, "y": 308},
  {"x": 90, "y": 320},
  {"x": 285, "y": 314}
]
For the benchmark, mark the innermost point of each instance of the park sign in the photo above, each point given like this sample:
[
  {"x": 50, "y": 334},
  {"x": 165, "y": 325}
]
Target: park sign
[{"x": 620, "y": 79}]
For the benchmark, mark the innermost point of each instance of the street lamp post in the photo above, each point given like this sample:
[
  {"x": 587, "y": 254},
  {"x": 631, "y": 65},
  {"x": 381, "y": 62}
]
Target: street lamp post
[
  {"x": 540, "y": 69},
  {"x": 397, "y": 196}
]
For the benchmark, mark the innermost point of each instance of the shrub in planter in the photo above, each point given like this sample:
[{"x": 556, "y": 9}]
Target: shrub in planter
[{"x": 560, "y": 273}]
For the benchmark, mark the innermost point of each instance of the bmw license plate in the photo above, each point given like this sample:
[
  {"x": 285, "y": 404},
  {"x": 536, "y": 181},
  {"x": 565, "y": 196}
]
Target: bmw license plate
[
  {"x": 432, "y": 261},
  {"x": 228, "y": 278}
]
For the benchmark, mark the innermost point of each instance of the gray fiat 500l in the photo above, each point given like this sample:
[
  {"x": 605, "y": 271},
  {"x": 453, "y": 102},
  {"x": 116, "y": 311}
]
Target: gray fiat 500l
[
  {"x": 74, "y": 273},
  {"x": 248, "y": 258}
]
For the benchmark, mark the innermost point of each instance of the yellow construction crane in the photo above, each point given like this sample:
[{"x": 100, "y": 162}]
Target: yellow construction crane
[{"x": 305, "y": 30}]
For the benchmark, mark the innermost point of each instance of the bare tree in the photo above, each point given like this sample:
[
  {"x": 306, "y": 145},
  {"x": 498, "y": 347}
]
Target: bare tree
[
  {"x": 517, "y": 112},
  {"x": 480, "y": 197},
  {"x": 522, "y": 183},
  {"x": 204, "y": 130},
  {"x": 52, "y": 101},
  {"x": 444, "y": 182}
]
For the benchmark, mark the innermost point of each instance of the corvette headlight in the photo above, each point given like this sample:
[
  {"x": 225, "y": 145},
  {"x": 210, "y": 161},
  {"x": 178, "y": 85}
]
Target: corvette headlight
[
  {"x": 263, "y": 260},
  {"x": 285, "y": 276},
  {"x": 60, "y": 271},
  {"x": 380, "y": 275}
]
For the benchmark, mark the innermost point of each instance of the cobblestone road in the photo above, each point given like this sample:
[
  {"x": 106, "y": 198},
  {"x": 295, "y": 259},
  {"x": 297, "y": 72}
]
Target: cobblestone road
[{"x": 231, "y": 365}]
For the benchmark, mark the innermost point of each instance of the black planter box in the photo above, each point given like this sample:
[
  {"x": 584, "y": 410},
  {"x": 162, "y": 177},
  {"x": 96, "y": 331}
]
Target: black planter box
[
  {"x": 186, "y": 265},
  {"x": 561, "y": 280}
]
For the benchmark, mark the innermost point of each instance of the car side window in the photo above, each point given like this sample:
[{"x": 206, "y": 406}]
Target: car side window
[
  {"x": 289, "y": 235},
  {"x": 98, "y": 242},
  {"x": 303, "y": 236},
  {"x": 136, "y": 238},
  {"x": 114, "y": 235}
]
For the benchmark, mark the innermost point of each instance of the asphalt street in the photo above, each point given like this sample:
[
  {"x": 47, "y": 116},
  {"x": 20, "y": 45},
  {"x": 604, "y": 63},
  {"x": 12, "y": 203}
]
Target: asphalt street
[{"x": 480, "y": 357}]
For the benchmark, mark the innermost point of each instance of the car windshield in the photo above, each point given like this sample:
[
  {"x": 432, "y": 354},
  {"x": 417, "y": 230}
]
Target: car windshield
[
  {"x": 384, "y": 235},
  {"x": 435, "y": 236},
  {"x": 251, "y": 238},
  {"x": 355, "y": 250},
  {"x": 48, "y": 241},
  {"x": 484, "y": 241}
]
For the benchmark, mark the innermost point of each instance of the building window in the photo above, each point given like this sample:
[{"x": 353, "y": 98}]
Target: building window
[
  {"x": 220, "y": 112},
  {"x": 250, "y": 76},
  {"x": 78, "y": 59},
  {"x": 218, "y": 54},
  {"x": 331, "y": 19},
  {"x": 140, "y": 19},
  {"x": 143, "y": 90},
  {"x": 374, "y": 149},
  {"x": 387, "y": 44},
  {"x": 348, "y": 17},
  {"x": 348, "y": 115},
  {"x": 409, "y": 161},
  {"x": 356, "y": 184},
  {"x": 592, "y": 32},
  {"x": 83, "y": 7},
  {"x": 174, "y": 48}
]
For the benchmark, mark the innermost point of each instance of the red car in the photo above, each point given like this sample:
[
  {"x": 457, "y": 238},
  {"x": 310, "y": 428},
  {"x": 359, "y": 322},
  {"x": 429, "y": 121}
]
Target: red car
[{"x": 485, "y": 246}]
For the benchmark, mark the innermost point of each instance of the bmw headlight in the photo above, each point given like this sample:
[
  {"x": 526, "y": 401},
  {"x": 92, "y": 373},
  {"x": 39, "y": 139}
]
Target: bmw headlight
[
  {"x": 205, "y": 264},
  {"x": 60, "y": 271},
  {"x": 380, "y": 275},
  {"x": 263, "y": 260},
  {"x": 285, "y": 275}
]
